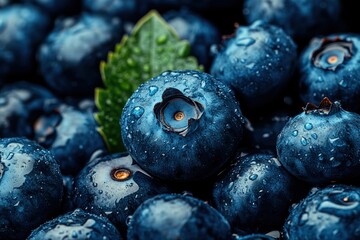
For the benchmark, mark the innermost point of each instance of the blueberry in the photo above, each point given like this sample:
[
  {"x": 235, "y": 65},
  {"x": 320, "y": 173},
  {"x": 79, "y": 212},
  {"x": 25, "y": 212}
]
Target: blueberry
[
  {"x": 127, "y": 10},
  {"x": 175, "y": 216},
  {"x": 22, "y": 28},
  {"x": 77, "y": 224},
  {"x": 301, "y": 19},
  {"x": 70, "y": 134},
  {"x": 255, "y": 236},
  {"x": 328, "y": 67},
  {"x": 320, "y": 145},
  {"x": 255, "y": 193},
  {"x": 30, "y": 187},
  {"x": 55, "y": 8},
  {"x": 331, "y": 212},
  {"x": 20, "y": 102},
  {"x": 200, "y": 33},
  {"x": 182, "y": 125},
  {"x": 114, "y": 186},
  {"x": 70, "y": 56},
  {"x": 257, "y": 62}
]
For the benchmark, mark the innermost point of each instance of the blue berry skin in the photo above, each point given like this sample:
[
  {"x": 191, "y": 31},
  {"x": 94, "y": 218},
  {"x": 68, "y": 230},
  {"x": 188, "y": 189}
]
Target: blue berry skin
[
  {"x": 257, "y": 62},
  {"x": 328, "y": 67},
  {"x": 70, "y": 134},
  {"x": 255, "y": 236},
  {"x": 320, "y": 145},
  {"x": 254, "y": 194},
  {"x": 114, "y": 186},
  {"x": 125, "y": 9},
  {"x": 56, "y": 8},
  {"x": 22, "y": 28},
  {"x": 332, "y": 212},
  {"x": 20, "y": 102},
  {"x": 175, "y": 216},
  {"x": 200, "y": 33},
  {"x": 77, "y": 224},
  {"x": 182, "y": 126},
  {"x": 70, "y": 56},
  {"x": 301, "y": 19},
  {"x": 30, "y": 187}
]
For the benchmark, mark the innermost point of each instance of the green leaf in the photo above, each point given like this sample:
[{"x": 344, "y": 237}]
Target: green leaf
[{"x": 152, "y": 48}]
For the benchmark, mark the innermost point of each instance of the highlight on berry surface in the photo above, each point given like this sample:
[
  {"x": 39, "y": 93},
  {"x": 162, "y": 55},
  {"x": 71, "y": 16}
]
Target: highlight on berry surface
[{"x": 152, "y": 47}]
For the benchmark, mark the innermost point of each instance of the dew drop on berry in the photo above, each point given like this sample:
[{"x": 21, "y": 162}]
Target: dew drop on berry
[
  {"x": 138, "y": 112},
  {"x": 308, "y": 126},
  {"x": 303, "y": 218},
  {"x": 253, "y": 177},
  {"x": 245, "y": 41},
  {"x": 295, "y": 133},
  {"x": 153, "y": 90},
  {"x": 303, "y": 141}
]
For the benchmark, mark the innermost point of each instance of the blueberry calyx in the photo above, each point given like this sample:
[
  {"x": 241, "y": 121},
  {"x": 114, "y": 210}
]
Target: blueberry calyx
[
  {"x": 332, "y": 53},
  {"x": 178, "y": 113},
  {"x": 326, "y": 107},
  {"x": 120, "y": 174}
]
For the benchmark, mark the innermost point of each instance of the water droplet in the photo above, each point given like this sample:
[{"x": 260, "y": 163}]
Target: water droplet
[
  {"x": 250, "y": 65},
  {"x": 253, "y": 177},
  {"x": 314, "y": 136},
  {"x": 128, "y": 220},
  {"x": 295, "y": 133},
  {"x": 153, "y": 90},
  {"x": 308, "y": 126},
  {"x": 303, "y": 141},
  {"x": 303, "y": 218},
  {"x": 203, "y": 83},
  {"x": 162, "y": 39},
  {"x": 138, "y": 112},
  {"x": 245, "y": 41},
  {"x": 342, "y": 83},
  {"x": 320, "y": 157},
  {"x": 10, "y": 156}
]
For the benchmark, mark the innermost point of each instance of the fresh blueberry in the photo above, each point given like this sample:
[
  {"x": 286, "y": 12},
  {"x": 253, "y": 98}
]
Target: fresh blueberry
[
  {"x": 30, "y": 187},
  {"x": 20, "y": 102},
  {"x": 257, "y": 62},
  {"x": 70, "y": 56},
  {"x": 320, "y": 145},
  {"x": 254, "y": 194},
  {"x": 328, "y": 67},
  {"x": 301, "y": 19},
  {"x": 70, "y": 134},
  {"x": 175, "y": 216},
  {"x": 114, "y": 186},
  {"x": 332, "y": 212},
  {"x": 22, "y": 28},
  {"x": 200, "y": 33},
  {"x": 182, "y": 125},
  {"x": 125, "y": 9},
  {"x": 56, "y": 8},
  {"x": 77, "y": 224}
]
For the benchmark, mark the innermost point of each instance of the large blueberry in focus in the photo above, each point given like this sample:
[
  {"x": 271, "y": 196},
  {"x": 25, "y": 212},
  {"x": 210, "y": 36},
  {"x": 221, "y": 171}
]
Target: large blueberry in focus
[
  {"x": 301, "y": 19},
  {"x": 320, "y": 145},
  {"x": 77, "y": 224},
  {"x": 70, "y": 134},
  {"x": 30, "y": 187},
  {"x": 56, "y": 7},
  {"x": 329, "y": 67},
  {"x": 257, "y": 62},
  {"x": 200, "y": 33},
  {"x": 254, "y": 194},
  {"x": 182, "y": 125},
  {"x": 20, "y": 102},
  {"x": 125, "y": 9},
  {"x": 175, "y": 216},
  {"x": 22, "y": 28},
  {"x": 114, "y": 186},
  {"x": 329, "y": 213},
  {"x": 70, "y": 56}
]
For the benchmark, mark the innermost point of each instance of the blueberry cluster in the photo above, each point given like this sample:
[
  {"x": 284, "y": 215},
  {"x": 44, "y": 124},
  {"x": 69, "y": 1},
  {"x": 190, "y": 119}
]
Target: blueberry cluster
[{"x": 261, "y": 144}]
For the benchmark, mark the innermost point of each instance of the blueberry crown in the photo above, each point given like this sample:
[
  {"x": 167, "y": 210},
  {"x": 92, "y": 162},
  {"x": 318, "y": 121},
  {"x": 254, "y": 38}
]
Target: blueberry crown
[
  {"x": 326, "y": 107},
  {"x": 332, "y": 53}
]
